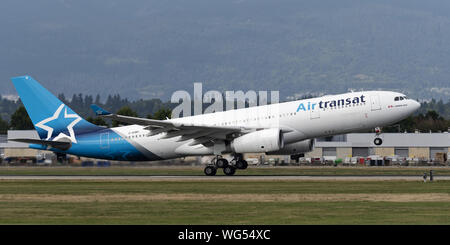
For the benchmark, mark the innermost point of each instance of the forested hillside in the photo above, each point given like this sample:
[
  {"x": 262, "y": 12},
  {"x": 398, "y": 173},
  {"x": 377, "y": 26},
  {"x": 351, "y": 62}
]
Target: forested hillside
[{"x": 150, "y": 48}]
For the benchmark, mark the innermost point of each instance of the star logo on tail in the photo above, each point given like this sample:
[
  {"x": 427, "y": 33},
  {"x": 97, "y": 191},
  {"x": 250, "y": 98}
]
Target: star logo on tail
[{"x": 58, "y": 125}]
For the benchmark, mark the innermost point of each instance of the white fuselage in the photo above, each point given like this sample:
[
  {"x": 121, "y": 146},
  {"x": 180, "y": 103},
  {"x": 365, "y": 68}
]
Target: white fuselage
[{"x": 302, "y": 119}]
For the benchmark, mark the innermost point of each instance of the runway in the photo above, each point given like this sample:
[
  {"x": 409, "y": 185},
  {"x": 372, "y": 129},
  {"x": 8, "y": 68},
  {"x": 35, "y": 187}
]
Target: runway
[{"x": 222, "y": 178}]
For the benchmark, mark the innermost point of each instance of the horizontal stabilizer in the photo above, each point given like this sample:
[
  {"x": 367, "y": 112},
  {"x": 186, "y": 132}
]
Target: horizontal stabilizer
[
  {"x": 100, "y": 111},
  {"x": 54, "y": 144}
]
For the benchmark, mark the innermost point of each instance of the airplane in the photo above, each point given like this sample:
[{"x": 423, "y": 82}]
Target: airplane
[{"x": 287, "y": 128}]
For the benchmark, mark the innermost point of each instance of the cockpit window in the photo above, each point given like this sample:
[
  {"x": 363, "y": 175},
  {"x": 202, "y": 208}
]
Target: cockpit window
[
  {"x": 397, "y": 98},
  {"x": 401, "y": 98}
]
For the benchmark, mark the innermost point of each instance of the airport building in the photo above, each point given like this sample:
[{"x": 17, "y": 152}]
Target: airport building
[
  {"x": 10, "y": 148},
  {"x": 429, "y": 147},
  {"x": 20, "y": 151},
  {"x": 423, "y": 147}
]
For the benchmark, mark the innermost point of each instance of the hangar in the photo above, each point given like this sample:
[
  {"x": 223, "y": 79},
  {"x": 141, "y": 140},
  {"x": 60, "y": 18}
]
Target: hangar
[
  {"x": 419, "y": 146},
  {"x": 20, "y": 151}
]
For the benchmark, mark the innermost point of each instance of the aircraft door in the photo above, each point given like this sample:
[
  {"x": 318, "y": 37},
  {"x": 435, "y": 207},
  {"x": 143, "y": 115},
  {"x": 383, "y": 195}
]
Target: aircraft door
[
  {"x": 315, "y": 113},
  {"x": 375, "y": 102},
  {"x": 104, "y": 141}
]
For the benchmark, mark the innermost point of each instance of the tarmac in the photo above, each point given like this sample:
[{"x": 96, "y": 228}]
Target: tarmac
[{"x": 222, "y": 178}]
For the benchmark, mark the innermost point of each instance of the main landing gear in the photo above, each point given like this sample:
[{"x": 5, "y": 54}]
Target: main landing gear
[
  {"x": 229, "y": 168},
  {"x": 377, "y": 140}
]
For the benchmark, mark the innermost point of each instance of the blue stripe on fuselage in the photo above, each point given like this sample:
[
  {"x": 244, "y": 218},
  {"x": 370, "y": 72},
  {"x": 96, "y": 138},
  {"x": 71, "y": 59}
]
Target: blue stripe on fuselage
[{"x": 107, "y": 144}]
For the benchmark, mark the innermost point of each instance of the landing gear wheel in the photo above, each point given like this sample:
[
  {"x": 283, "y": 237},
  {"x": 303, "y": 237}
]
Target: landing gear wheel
[
  {"x": 378, "y": 141},
  {"x": 229, "y": 170},
  {"x": 210, "y": 170},
  {"x": 221, "y": 163},
  {"x": 241, "y": 164}
]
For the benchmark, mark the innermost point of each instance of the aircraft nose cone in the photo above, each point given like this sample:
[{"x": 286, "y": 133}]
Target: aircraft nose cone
[{"x": 415, "y": 105}]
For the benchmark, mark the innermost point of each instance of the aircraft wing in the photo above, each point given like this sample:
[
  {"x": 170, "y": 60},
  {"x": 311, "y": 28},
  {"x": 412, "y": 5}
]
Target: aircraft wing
[
  {"x": 200, "y": 133},
  {"x": 173, "y": 128}
]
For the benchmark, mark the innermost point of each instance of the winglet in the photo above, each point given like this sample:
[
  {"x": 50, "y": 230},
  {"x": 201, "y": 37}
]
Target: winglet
[{"x": 100, "y": 111}]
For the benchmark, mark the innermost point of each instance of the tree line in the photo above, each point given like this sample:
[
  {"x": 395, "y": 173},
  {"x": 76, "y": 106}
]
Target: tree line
[
  {"x": 432, "y": 116},
  {"x": 431, "y": 121},
  {"x": 152, "y": 109}
]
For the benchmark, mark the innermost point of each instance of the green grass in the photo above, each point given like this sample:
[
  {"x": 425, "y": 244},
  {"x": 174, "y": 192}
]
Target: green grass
[
  {"x": 215, "y": 212},
  {"x": 79, "y": 187},
  {"x": 235, "y": 213}
]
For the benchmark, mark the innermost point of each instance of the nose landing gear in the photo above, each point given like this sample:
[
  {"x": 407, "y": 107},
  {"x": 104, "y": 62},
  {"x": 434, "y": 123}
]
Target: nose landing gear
[{"x": 377, "y": 140}]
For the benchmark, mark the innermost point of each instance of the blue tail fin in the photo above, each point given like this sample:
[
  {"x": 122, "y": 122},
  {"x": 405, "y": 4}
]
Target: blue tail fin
[
  {"x": 99, "y": 111},
  {"x": 52, "y": 119}
]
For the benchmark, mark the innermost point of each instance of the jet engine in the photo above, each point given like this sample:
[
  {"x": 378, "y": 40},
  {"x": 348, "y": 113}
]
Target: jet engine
[
  {"x": 259, "y": 141},
  {"x": 295, "y": 148}
]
